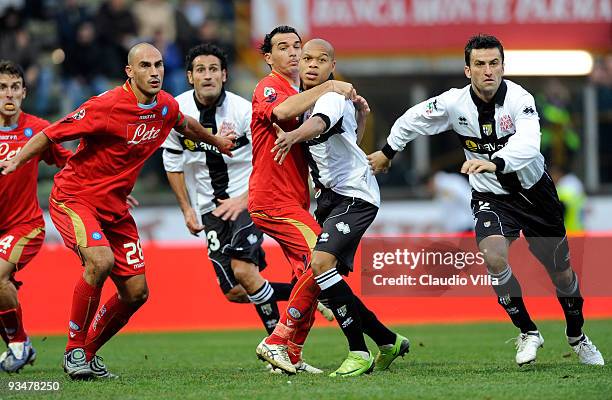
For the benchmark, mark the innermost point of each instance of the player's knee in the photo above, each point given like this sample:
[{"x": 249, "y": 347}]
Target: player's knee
[
  {"x": 243, "y": 272},
  {"x": 321, "y": 264},
  {"x": 137, "y": 297},
  {"x": 562, "y": 279},
  {"x": 100, "y": 265},
  {"x": 496, "y": 261},
  {"x": 237, "y": 295}
]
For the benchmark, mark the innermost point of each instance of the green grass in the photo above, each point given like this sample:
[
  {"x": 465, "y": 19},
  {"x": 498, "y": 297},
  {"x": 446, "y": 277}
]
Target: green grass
[{"x": 446, "y": 361}]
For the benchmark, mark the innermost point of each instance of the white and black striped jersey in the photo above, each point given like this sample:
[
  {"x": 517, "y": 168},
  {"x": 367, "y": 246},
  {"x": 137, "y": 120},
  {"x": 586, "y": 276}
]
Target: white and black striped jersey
[
  {"x": 210, "y": 175},
  {"x": 506, "y": 131},
  {"x": 336, "y": 161}
]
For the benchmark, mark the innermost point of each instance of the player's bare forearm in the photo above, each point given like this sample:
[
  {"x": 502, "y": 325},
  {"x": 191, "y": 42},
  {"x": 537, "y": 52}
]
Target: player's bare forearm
[
  {"x": 35, "y": 146},
  {"x": 363, "y": 110},
  {"x": 310, "y": 129},
  {"x": 194, "y": 131},
  {"x": 296, "y": 105},
  {"x": 177, "y": 183}
]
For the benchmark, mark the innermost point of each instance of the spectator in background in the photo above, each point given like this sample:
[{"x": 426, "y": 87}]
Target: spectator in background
[
  {"x": 83, "y": 73},
  {"x": 452, "y": 194},
  {"x": 153, "y": 16},
  {"x": 572, "y": 196},
  {"x": 560, "y": 142},
  {"x": 116, "y": 32}
]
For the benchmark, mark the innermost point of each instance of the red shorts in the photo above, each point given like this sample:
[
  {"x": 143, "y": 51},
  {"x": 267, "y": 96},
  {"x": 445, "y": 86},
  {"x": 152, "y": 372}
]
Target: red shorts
[
  {"x": 20, "y": 243},
  {"x": 294, "y": 229},
  {"x": 80, "y": 226}
]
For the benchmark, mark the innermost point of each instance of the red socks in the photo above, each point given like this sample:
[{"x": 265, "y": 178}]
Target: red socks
[
  {"x": 11, "y": 325},
  {"x": 85, "y": 302},
  {"x": 297, "y": 319},
  {"x": 108, "y": 321}
]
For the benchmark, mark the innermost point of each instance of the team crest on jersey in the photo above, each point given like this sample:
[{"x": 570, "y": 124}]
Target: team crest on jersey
[
  {"x": 505, "y": 123},
  {"x": 28, "y": 132},
  {"x": 143, "y": 132},
  {"x": 487, "y": 129},
  {"x": 270, "y": 94},
  {"x": 431, "y": 106},
  {"x": 78, "y": 115},
  {"x": 164, "y": 111}
]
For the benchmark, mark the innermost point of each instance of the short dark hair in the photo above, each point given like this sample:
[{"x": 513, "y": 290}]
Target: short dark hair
[
  {"x": 205, "y": 49},
  {"x": 482, "y": 41},
  {"x": 10, "y": 68},
  {"x": 266, "y": 45}
]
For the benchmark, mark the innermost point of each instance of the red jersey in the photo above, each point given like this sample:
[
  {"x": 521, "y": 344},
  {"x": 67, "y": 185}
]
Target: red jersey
[
  {"x": 18, "y": 199},
  {"x": 272, "y": 185},
  {"x": 117, "y": 136}
]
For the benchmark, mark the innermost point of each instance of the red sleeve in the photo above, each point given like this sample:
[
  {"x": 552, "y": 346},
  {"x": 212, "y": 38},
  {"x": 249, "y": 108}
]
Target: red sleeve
[
  {"x": 89, "y": 119},
  {"x": 268, "y": 94},
  {"x": 56, "y": 155}
]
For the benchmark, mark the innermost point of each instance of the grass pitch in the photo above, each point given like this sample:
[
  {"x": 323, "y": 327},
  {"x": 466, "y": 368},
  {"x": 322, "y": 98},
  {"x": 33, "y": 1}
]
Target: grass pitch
[{"x": 470, "y": 361}]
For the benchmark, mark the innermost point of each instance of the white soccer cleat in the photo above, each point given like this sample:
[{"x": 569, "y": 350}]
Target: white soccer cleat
[
  {"x": 275, "y": 354},
  {"x": 587, "y": 352},
  {"x": 76, "y": 366},
  {"x": 17, "y": 356},
  {"x": 325, "y": 312},
  {"x": 99, "y": 369},
  {"x": 303, "y": 367},
  {"x": 527, "y": 345},
  {"x": 300, "y": 367}
]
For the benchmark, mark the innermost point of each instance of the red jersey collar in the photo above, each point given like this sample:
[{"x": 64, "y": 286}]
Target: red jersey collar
[{"x": 283, "y": 80}]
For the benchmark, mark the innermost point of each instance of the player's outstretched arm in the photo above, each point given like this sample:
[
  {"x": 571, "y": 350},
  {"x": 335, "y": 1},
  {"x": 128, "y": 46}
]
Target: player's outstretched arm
[
  {"x": 296, "y": 105},
  {"x": 35, "y": 146},
  {"x": 177, "y": 183},
  {"x": 194, "y": 131},
  {"x": 310, "y": 129}
]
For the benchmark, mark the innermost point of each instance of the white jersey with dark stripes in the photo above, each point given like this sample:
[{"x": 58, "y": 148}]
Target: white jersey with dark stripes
[
  {"x": 335, "y": 159},
  {"x": 210, "y": 175},
  {"x": 508, "y": 128}
]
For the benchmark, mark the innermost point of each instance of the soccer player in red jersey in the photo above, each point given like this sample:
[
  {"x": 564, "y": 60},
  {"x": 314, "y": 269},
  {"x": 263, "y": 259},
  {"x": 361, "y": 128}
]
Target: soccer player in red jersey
[
  {"x": 119, "y": 130},
  {"x": 278, "y": 194},
  {"x": 22, "y": 228}
]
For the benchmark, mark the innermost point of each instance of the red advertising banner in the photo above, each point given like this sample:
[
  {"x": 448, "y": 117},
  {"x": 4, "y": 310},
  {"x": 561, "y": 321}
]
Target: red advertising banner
[{"x": 441, "y": 26}]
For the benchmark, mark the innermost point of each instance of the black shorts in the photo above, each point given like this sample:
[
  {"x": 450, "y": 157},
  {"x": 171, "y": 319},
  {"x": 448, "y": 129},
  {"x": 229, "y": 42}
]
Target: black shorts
[
  {"x": 536, "y": 211},
  {"x": 229, "y": 240},
  {"x": 344, "y": 221}
]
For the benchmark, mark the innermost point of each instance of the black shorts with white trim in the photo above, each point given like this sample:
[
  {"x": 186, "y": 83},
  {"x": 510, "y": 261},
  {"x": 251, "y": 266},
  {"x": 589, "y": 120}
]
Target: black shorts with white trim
[
  {"x": 344, "y": 220},
  {"x": 536, "y": 211},
  {"x": 229, "y": 240}
]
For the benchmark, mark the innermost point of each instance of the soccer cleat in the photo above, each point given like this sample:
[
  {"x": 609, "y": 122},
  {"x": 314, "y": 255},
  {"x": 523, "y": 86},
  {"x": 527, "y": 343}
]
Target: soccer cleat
[
  {"x": 275, "y": 354},
  {"x": 587, "y": 352},
  {"x": 354, "y": 365},
  {"x": 76, "y": 366},
  {"x": 385, "y": 356},
  {"x": 300, "y": 367},
  {"x": 303, "y": 367},
  {"x": 527, "y": 345},
  {"x": 99, "y": 369},
  {"x": 325, "y": 312},
  {"x": 17, "y": 356}
]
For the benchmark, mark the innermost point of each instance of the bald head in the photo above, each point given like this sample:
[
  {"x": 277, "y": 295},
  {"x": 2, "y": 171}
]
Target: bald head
[
  {"x": 138, "y": 51},
  {"x": 322, "y": 45},
  {"x": 146, "y": 71}
]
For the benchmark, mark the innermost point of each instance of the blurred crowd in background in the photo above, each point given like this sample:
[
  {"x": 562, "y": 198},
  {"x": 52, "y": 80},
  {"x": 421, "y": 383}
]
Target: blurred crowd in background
[{"x": 73, "y": 49}]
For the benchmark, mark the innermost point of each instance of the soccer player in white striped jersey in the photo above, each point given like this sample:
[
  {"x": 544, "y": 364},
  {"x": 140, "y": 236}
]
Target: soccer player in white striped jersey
[{"x": 347, "y": 203}]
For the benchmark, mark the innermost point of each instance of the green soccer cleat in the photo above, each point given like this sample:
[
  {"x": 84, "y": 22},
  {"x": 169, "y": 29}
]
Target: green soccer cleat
[
  {"x": 354, "y": 365},
  {"x": 385, "y": 356}
]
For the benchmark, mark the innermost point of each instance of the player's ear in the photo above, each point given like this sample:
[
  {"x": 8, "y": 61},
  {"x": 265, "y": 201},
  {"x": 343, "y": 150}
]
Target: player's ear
[
  {"x": 268, "y": 58},
  {"x": 128, "y": 71},
  {"x": 467, "y": 71},
  {"x": 224, "y": 75},
  {"x": 190, "y": 77},
  {"x": 25, "y": 92}
]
